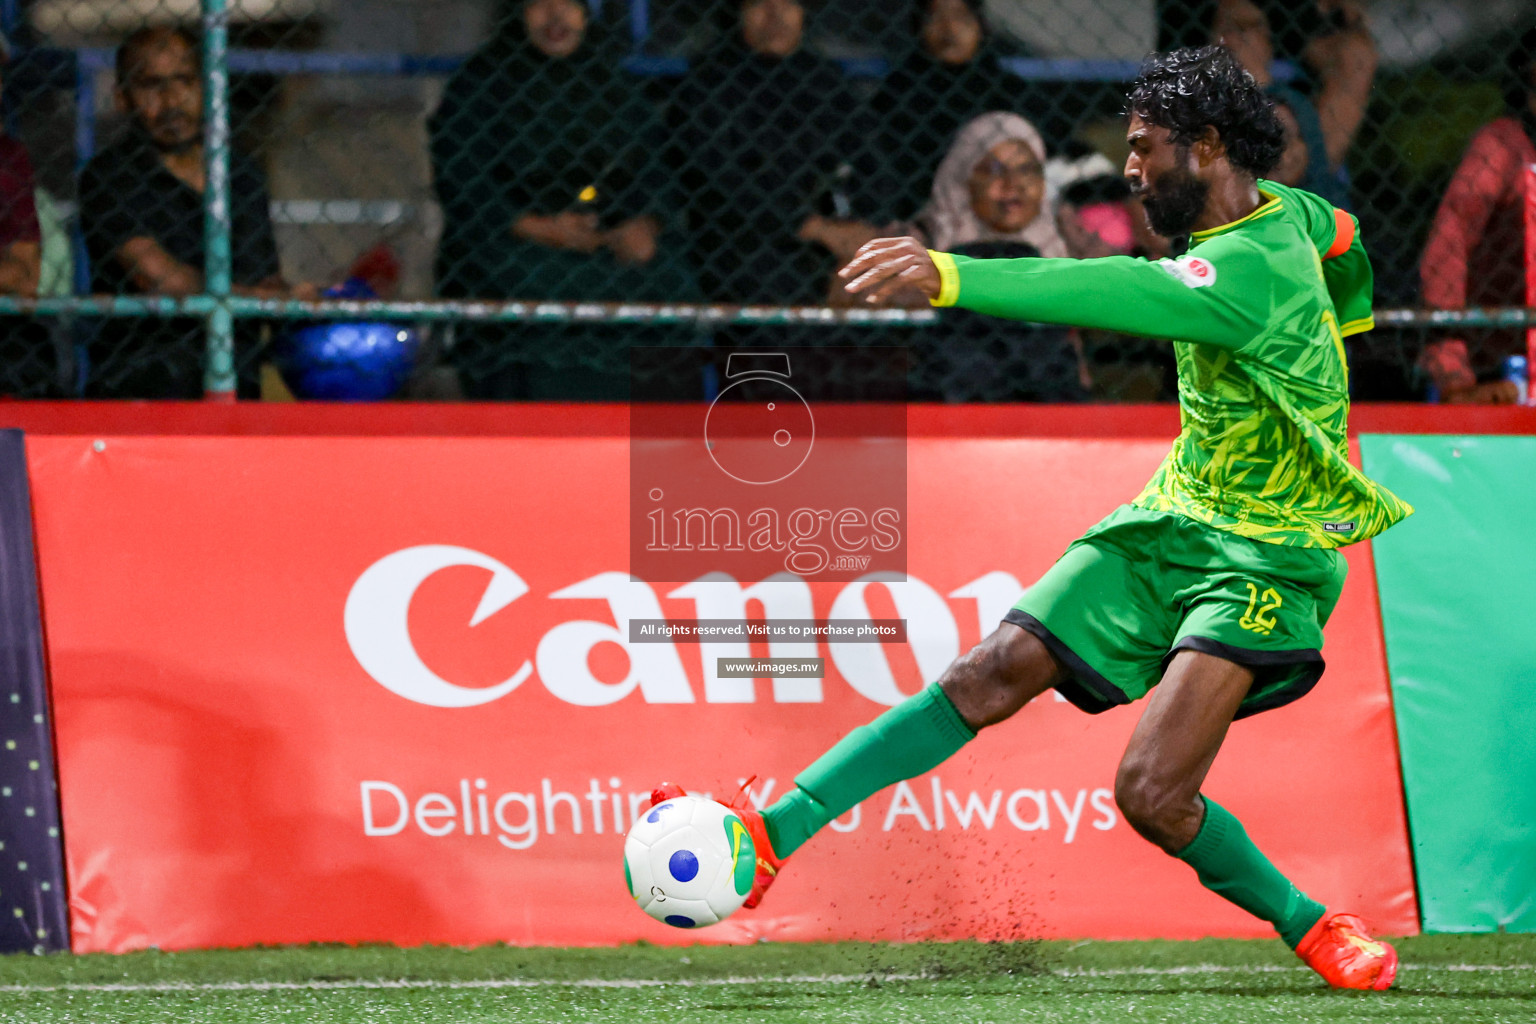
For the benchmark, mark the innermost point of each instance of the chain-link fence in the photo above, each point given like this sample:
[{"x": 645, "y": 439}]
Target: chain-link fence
[{"x": 500, "y": 198}]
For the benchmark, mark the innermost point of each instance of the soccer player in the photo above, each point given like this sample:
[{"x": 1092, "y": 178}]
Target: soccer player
[{"x": 1207, "y": 594}]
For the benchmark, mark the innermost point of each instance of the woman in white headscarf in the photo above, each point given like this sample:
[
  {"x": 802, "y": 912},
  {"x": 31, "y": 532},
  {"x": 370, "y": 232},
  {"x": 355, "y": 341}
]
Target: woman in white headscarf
[
  {"x": 989, "y": 200},
  {"x": 989, "y": 194},
  {"x": 990, "y": 187}
]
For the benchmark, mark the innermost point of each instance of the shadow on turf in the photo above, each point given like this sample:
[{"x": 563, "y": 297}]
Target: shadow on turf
[{"x": 1026, "y": 957}]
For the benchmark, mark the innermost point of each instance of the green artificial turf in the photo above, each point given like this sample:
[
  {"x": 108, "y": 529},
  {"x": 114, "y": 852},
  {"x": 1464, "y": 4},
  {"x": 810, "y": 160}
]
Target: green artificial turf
[{"x": 1444, "y": 978}]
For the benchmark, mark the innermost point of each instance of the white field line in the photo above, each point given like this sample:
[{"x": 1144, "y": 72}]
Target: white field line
[{"x": 366, "y": 984}]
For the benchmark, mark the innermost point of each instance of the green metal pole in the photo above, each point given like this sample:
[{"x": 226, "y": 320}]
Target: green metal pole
[{"x": 219, "y": 371}]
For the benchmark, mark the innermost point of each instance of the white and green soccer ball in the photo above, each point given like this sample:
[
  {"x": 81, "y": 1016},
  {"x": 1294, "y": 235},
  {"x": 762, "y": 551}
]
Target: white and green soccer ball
[{"x": 689, "y": 862}]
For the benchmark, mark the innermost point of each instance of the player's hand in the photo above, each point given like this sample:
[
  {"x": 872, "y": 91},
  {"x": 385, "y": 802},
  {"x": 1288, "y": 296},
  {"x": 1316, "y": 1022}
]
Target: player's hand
[{"x": 885, "y": 266}]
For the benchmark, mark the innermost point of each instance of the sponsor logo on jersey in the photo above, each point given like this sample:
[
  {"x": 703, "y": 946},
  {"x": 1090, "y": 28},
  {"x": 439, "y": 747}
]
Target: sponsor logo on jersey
[{"x": 1193, "y": 271}]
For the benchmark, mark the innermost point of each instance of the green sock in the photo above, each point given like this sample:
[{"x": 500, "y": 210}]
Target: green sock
[
  {"x": 913, "y": 737},
  {"x": 1233, "y": 868}
]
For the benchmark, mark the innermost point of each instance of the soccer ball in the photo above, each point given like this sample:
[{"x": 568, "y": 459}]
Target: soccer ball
[{"x": 689, "y": 862}]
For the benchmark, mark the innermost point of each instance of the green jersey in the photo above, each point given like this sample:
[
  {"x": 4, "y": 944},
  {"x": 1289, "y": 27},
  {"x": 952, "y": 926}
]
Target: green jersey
[{"x": 1257, "y": 311}]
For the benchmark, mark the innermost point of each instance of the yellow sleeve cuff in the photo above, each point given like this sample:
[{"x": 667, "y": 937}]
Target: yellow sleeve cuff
[
  {"x": 949, "y": 279},
  {"x": 1357, "y": 326}
]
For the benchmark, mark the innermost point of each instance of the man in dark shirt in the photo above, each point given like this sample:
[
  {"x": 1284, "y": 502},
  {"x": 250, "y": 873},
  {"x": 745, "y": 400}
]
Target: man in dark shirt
[{"x": 141, "y": 208}]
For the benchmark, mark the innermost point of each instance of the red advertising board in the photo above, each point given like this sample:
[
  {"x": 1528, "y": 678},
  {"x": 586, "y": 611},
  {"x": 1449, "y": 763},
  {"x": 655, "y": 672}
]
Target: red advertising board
[{"x": 379, "y": 689}]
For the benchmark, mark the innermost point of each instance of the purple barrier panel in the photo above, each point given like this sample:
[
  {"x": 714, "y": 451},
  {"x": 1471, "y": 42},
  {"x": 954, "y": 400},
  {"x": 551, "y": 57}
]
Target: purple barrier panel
[{"x": 33, "y": 910}]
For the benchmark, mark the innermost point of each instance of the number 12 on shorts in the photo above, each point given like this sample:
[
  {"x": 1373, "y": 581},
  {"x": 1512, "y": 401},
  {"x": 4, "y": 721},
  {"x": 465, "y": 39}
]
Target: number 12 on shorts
[{"x": 1260, "y": 617}]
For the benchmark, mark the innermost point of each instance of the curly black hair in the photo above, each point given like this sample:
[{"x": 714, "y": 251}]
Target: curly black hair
[{"x": 1186, "y": 90}]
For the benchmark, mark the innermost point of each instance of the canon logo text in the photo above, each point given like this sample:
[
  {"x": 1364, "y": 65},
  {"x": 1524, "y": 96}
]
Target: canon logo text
[{"x": 377, "y": 631}]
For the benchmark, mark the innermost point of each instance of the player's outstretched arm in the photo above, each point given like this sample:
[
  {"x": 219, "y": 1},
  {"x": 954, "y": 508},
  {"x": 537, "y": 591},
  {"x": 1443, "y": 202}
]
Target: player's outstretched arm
[
  {"x": 884, "y": 266},
  {"x": 1220, "y": 297}
]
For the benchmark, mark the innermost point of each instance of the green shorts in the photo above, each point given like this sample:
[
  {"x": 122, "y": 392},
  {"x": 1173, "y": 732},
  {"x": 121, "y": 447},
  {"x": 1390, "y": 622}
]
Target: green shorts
[{"x": 1141, "y": 586}]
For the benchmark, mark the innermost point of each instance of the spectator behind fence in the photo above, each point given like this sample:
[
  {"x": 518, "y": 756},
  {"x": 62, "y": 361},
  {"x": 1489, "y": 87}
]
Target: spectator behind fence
[
  {"x": 1476, "y": 253},
  {"x": 988, "y": 200},
  {"x": 28, "y": 364},
  {"x": 1321, "y": 124},
  {"x": 1098, "y": 216},
  {"x": 764, "y": 135},
  {"x": 20, "y": 237},
  {"x": 950, "y": 76},
  {"x": 141, "y": 210},
  {"x": 548, "y": 162}
]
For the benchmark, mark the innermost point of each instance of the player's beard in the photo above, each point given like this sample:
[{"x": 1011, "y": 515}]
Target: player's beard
[{"x": 1174, "y": 203}]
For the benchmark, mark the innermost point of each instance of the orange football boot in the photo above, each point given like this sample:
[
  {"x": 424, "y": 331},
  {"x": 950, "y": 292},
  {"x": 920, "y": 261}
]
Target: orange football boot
[
  {"x": 1340, "y": 949},
  {"x": 768, "y": 863}
]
